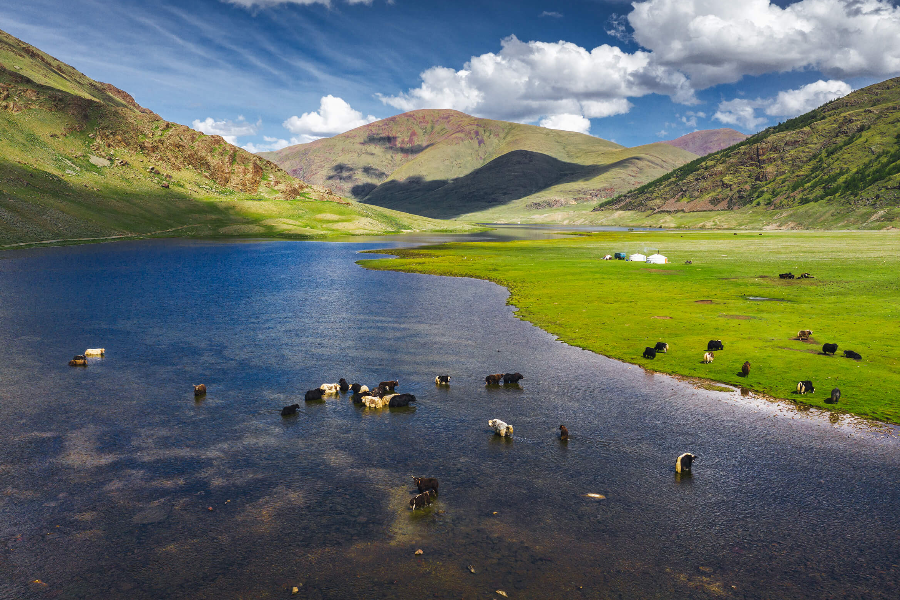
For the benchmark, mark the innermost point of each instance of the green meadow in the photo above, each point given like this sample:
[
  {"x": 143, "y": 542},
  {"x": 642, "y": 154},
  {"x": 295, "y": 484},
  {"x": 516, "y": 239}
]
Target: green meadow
[{"x": 730, "y": 292}]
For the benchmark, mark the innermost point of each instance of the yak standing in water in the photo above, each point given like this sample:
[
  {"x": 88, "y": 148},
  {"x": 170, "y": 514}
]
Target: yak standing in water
[
  {"x": 683, "y": 463},
  {"x": 422, "y": 500},
  {"x": 400, "y": 400},
  {"x": 423, "y": 484}
]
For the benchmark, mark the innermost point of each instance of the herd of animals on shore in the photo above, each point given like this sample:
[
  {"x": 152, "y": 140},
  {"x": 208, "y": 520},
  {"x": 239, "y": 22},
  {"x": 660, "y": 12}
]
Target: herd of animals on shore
[
  {"x": 803, "y": 387},
  {"x": 383, "y": 395}
]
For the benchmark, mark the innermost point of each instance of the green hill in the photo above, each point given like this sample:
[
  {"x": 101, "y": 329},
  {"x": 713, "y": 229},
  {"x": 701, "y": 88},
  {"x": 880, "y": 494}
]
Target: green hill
[
  {"x": 82, "y": 160},
  {"x": 837, "y": 167},
  {"x": 446, "y": 164}
]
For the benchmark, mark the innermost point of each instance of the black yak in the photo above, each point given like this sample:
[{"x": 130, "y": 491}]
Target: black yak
[
  {"x": 426, "y": 483},
  {"x": 512, "y": 378},
  {"x": 401, "y": 400}
]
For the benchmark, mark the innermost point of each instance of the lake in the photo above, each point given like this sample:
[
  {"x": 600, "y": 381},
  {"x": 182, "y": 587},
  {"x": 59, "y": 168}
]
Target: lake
[{"x": 117, "y": 483}]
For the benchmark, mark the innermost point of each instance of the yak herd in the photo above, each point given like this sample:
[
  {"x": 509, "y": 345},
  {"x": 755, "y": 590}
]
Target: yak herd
[
  {"x": 383, "y": 395},
  {"x": 803, "y": 387}
]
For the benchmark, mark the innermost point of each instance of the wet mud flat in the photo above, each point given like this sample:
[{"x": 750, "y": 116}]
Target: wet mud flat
[{"x": 116, "y": 482}]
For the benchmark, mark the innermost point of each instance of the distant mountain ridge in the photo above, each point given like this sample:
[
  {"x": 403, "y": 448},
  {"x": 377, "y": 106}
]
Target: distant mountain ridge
[
  {"x": 707, "y": 141},
  {"x": 840, "y": 162},
  {"x": 446, "y": 164}
]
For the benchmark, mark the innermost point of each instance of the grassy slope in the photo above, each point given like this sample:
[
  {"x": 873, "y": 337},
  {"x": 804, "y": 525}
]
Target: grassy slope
[
  {"x": 444, "y": 163},
  {"x": 617, "y": 308},
  {"x": 842, "y": 158},
  {"x": 53, "y": 120}
]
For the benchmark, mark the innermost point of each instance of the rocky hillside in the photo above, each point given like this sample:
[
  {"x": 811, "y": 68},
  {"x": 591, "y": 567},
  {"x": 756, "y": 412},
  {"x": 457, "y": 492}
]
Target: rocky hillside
[
  {"x": 840, "y": 163},
  {"x": 81, "y": 159},
  {"x": 446, "y": 164},
  {"x": 707, "y": 141}
]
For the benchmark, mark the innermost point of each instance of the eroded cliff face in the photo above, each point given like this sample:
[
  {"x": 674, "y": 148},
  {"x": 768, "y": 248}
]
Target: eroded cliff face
[{"x": 114, "y": 122}]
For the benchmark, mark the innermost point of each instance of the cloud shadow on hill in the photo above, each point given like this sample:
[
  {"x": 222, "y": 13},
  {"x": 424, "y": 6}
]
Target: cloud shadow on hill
[
  {"x": 389, "y": 143},
  {"x": 514, "y": 175}
]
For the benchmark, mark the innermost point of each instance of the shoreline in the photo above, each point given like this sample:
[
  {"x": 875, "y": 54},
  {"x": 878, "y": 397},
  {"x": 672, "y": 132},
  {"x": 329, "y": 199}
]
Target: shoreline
[{"x": 513, "y": 269}]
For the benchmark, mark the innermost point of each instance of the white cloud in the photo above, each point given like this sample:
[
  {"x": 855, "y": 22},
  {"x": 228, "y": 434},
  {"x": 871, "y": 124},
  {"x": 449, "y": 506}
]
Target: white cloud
[
  {"x": 741, "y": 112},
  {"x": 689, "y": 119},
  {"x": 617, "y": 27},
  {"x": 527, "y": 81},
  {"x": 229, "y": 130},
  {"x": 271, "y": 145},
  {"x": 567, "y": 122},
  {"x": 788, "y": 103},
  {"x": 597, "y": 109},
  {"x": 791, "y": 103},
  {"x": 441, "y": 88},
  {"x": 551, "y": 13},
  {"x": 334, "y": 116},
  {"x": 720, "y": 41}
]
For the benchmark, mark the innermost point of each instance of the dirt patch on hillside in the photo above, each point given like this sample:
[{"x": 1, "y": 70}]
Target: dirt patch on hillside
[
  {"x": 241, "y": 230},
  {"x": 799, "y": 350}
]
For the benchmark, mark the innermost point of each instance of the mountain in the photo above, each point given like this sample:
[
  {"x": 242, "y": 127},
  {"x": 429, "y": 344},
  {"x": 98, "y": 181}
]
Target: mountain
[
  {"x": 707, "y": 141},
  {"x": 80, "y": 159},
  {"x": 446, "y": 164},
  {"x": 837, "y": 166}
]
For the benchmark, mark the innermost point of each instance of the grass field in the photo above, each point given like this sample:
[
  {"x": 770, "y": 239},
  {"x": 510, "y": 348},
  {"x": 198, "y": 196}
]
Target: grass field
[{"x": 617, "y": 308}]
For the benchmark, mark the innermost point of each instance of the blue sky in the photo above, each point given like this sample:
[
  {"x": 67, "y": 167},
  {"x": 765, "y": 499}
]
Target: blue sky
[{"x": 267, "y": 73}]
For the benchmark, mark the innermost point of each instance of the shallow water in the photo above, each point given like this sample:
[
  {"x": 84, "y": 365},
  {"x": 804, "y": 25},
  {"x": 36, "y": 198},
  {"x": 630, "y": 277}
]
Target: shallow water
[{"x": 116, "y": 483}]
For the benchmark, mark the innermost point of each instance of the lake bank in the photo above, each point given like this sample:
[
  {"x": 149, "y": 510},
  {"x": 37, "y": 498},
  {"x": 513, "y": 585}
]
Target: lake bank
[{"x": 618, "y": 308}]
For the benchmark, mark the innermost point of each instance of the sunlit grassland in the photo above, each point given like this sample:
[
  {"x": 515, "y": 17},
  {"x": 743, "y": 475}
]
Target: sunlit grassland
[
  {"x": 51, "y": 191},
  {"x": 617, "y": 308}
]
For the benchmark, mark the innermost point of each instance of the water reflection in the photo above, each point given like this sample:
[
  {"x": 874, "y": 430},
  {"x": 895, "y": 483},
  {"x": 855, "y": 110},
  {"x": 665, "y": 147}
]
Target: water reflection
[{"x": 117, "y": 483}]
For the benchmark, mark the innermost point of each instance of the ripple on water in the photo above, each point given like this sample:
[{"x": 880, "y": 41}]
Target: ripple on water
[{"x": 115, "y": 468}]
